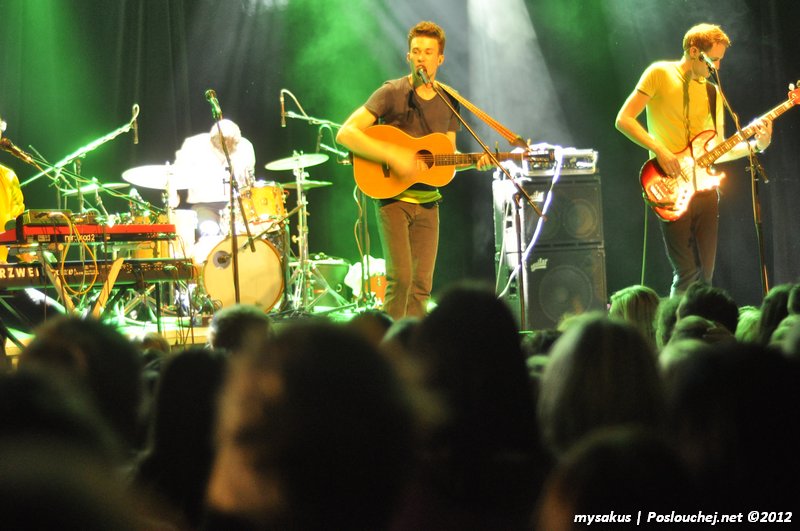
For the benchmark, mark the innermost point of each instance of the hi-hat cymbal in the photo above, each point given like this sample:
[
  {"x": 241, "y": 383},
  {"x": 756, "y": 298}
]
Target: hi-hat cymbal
[
  {"x": 297, "y": 162},
  {"x": 158, "y": 177},
  {"x": 94, "y": 186},
  {"x": 307, "y": 185}
]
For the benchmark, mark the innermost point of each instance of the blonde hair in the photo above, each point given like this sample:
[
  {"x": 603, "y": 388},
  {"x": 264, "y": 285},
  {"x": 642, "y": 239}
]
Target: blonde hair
[
  {"x": 704, "y": 36},
  {"x": 230, "y": 131}
]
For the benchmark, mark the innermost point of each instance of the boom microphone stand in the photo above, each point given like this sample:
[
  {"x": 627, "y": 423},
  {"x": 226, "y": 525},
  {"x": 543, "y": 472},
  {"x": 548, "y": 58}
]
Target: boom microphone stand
[
  {"x": 755, "y": 169},
  {"x": 422, "y": 74}
]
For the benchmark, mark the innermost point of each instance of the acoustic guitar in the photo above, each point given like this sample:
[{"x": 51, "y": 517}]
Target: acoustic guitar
[{"x": 436, "y": 150}]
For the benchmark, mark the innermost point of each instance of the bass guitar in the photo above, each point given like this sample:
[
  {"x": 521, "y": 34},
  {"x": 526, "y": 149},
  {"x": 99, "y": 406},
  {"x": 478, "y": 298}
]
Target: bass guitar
[
  {"x": 669, "y": 197},
  {"x": 436, "y": 150}
]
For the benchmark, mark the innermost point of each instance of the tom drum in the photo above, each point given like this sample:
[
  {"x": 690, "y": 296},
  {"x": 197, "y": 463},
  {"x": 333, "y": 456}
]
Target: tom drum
[{"x": 264, "y": 202}]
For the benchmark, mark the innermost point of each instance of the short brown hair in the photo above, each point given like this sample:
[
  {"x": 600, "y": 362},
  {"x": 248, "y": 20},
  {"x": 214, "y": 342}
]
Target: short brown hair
[
  {"x": 704, "y": 36},
  {"x": 427, "y": 29}
]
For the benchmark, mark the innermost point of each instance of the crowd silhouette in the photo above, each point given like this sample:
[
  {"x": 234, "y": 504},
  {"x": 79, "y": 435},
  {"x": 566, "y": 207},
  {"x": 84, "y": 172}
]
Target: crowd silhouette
[{"x": 454, "y": 420}]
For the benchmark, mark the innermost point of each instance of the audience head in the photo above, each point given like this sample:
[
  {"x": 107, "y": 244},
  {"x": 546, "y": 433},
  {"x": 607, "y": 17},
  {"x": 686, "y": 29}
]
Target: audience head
[
  {"x": 710, "y": 303},
  {"x": 774, "y": 308},
  {"x": 155, "y": 342},
  {"x": 621, "y": 469},
  {"x": 786, "y": 335},
  {"x": 601, "y": 373},
  {"x": 539, "y": 342},
  {"x": 240, "y": 327},
  {"x": 98, "y": 359},
  {"x": 178, "y": 461},
  {"x": 666, "y": 317},
  {"x": 314, "y": 432},
  {"x": 747, "y": 328},
  {"x": 371, "y": 324},
  {"x": 696, "y": 327},
  {"x": 636, "y": 305},
  {"x": 52, "y": 485},
  {"x": 41, "y": 405},
  {"x": 793, "y": 304},
  {"x": 732, "y": 412},
  {"x": 469, "y": 348}
]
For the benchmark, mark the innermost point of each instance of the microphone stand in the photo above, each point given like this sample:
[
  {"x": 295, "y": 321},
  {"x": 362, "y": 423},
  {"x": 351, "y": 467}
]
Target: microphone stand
[
  {"x": 521, "y": 192},
  {"x": 755, "y": 170},
  {"x": 59, "y": 169},
  {"x": 233, "y": 189}
]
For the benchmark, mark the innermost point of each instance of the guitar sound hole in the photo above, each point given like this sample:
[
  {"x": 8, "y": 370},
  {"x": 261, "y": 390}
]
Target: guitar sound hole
[{"x": 426, "y": 157}]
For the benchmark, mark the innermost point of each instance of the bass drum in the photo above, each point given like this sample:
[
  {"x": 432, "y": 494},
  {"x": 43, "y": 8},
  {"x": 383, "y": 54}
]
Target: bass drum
[{"x": 260, "y": 275}]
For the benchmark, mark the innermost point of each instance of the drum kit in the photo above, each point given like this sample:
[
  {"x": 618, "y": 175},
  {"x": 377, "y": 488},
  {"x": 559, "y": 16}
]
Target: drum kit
[{"x": 272, "y": 275}]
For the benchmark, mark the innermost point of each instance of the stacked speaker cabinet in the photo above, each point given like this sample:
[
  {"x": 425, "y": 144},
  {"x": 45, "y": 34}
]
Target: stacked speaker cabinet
[{"x": 564, "y": 273}]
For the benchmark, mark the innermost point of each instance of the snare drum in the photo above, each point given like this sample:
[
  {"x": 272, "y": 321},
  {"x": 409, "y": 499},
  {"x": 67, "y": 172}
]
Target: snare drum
[
  {"x": 260, "y": 275},
  {"x": 264, "y": 202}
]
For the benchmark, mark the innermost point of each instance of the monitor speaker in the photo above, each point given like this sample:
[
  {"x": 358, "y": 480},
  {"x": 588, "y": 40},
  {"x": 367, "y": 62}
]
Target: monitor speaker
[
  {"x": 574, "y": 216},
  {"x": 559, "y": 283}
]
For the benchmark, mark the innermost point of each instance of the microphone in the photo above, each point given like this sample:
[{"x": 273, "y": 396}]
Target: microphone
[
  {"x": 283, "y": 111},
  {"x": 135, "y": 123},
  {"x": 211, "y": 96},
  {"x": 423, "y": 75},
  {"x": 8, "y": 145},
  {"x": 709, "y": 63}
]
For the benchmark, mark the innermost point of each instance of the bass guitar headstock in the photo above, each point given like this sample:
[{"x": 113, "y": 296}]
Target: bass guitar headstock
[{"x": 794, "y": 92}]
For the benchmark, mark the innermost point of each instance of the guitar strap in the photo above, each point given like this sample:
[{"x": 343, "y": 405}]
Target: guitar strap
[
  {"x": 513, "y": 138},
  {"x": 712, "y": 102}
]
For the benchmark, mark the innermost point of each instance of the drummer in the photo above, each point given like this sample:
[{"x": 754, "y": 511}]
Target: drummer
[{"x": 202, "y": 158}]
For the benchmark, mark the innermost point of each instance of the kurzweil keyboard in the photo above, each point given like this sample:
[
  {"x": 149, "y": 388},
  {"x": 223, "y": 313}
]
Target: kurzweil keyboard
[
  {"x": 88, "y": 233},
  {"x": 75, "y": 273}
]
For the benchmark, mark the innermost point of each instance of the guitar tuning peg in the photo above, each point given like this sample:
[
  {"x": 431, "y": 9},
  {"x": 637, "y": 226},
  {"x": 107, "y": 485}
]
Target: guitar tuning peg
[{"x": 791, "y": 86}]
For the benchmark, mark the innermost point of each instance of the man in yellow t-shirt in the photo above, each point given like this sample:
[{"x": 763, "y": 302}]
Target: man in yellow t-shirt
[
  {"x": 11, "y": 202},
  {"x": 675, "y": 96}
]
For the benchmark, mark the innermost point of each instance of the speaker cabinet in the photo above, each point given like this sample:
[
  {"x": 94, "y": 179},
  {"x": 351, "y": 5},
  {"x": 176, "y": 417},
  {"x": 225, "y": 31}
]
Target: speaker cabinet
[
  {"x": 559, "y": 282},
  {"x": 573, "y": 218}
]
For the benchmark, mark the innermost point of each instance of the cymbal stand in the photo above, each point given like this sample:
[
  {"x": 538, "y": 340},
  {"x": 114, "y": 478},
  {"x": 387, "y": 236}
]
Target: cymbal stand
[{"x": 302, "y": 277}]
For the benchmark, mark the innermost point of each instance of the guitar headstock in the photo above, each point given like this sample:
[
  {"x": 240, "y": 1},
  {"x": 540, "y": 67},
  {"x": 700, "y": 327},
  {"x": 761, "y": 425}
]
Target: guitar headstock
[{"x": 794, "y": 92}]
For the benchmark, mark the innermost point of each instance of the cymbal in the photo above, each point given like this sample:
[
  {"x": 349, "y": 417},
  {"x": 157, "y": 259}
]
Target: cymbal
[
  {"x": 307, "y": 185},
  {"x": 297, "y": 162},
  {"x": 158, "y": 177},
  {"x": 94, "y": 186}
]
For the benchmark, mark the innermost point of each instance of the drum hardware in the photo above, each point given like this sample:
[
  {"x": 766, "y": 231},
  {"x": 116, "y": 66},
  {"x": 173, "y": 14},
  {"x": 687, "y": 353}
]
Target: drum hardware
[
  {"x": 158, "y": 177},
  {"x": 298, "y": 161},
  {"x": 93, "y": 187},
  {"x": 307, "y": 184},
  {"x": 306, "y": 274}
]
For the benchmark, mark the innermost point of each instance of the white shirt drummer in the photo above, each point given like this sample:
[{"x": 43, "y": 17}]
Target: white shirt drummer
[{"x": 202, "y": 158}]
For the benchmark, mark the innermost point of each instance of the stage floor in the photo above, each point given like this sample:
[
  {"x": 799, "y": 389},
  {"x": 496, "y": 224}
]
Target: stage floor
[{"x": 182, "y": 332}]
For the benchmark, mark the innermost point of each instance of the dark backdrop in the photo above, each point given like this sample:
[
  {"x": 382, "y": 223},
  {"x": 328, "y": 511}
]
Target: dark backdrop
[{"x": 552, "y": 71}]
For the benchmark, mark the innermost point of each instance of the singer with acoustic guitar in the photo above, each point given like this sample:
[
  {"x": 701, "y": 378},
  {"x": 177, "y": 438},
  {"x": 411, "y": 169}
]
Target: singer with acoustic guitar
[
  {"x": 407, "y": 207},
  {"x": 684, "y": 119}
]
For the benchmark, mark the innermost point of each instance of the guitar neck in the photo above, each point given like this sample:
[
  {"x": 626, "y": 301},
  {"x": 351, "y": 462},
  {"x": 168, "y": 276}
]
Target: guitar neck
[
  {"x": 455, "y": 159},
  {"x": 708, "y": 158}
]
